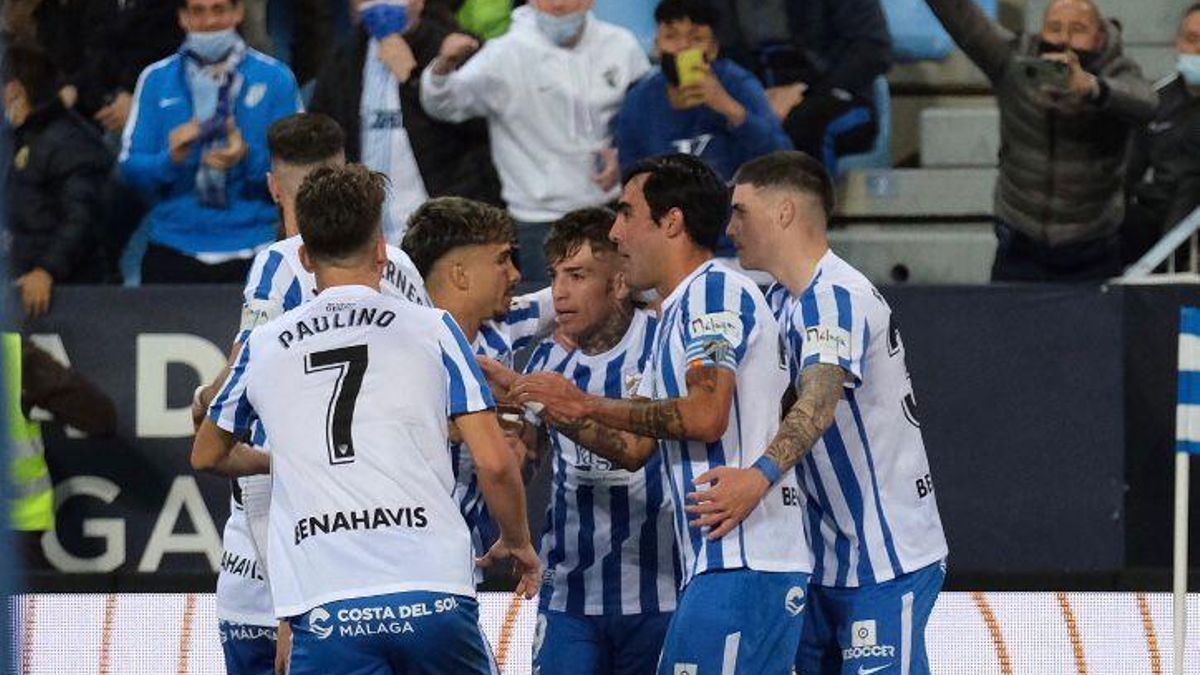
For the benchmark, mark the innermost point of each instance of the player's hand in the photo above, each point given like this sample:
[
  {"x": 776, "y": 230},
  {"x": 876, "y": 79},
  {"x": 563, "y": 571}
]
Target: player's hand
[
  {"x": 36, "y": 286},
  {"x": 224, "y": 159},
  {"x": 524, "y": 561},
  {"x": 563, "y": 402},
  {"x": 610, "y": 173},
  {"x": 732, "y": 495},
  {"x": 181, "y": 140},
  {"x": 283, "y": 648},
  {"x": 499, "y": 376},
  {"x": 455, "y": 49},
  {"x": 397, "y": 55}
]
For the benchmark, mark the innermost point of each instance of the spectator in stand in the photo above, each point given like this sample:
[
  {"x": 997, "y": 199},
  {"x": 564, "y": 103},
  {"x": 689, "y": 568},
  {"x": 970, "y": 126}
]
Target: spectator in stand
[
  {"x": 196, "y": 144},
  {"x": 1164, "y": 171},
  {"x": 371, "y": 87},
  {"x": 1065, "y": 134},
  {"x": 725, "y": 119},
  {"x": 99, "y": 46},
  {"x": 819, "y": 60},
  {"x": 59, "y": 167},
  {"x": 549, "y": 89}
]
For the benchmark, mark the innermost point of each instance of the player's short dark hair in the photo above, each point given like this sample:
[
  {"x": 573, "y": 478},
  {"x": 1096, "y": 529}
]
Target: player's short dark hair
[
  {"x": 1192, "y": 9},
  {"x": 582, "y": 226},
  {"x": 790, "y": 170},
  {"x": 304, "y": 139},
  {"x": 443, "y": 224},
  {"x": 688, "y": 184},
  {"x": 699, "y": 12},
  {"x": 339, "y": 211},
  {"x": 34, "y": 70},
  {"x": 184, "y": 3}
]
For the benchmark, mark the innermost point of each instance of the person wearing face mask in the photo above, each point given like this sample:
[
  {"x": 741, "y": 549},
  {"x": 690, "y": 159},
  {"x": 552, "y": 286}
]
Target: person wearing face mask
[
  {"x": 371, "y": 87},
  {"x": 57, "y": 171},
  {"x": 196, "y": 146},
  {"x": 1065, "y": 134},
  {"x": 1164, "y": 171},
  {"x": 549, "y": 90}
]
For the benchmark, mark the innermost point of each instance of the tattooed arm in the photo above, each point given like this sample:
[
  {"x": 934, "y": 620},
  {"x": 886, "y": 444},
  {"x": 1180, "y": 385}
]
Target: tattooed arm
[
  {"x": 626, "y": 450},
  {"x": 810, "y": 417},
  {"x": 735, "y": 492},
  {"x": 701, "y": 415}
]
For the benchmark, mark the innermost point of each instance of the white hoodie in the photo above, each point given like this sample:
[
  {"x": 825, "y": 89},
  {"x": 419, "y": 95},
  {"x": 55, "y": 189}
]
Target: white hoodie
[{"x": 549, "y": 109}]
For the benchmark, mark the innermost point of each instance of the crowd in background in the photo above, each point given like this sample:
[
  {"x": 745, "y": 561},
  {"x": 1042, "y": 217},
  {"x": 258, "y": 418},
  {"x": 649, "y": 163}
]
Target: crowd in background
[{"x": 138, "y": 127}]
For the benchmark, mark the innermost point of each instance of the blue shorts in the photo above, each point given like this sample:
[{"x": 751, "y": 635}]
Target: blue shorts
[
  {"x": 249, "y": 650},
  {"x": 416, "y": 633},
  {"x": 872, "y": 629},
  {"x": 736, "y": 621},
  {"x": 598, "y": 645}
]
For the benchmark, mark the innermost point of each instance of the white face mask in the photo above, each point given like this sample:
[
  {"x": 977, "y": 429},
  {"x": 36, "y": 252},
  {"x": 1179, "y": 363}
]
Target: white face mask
[
  {"x": 1189, "y": 68},
  {"x": 560, "y": 29},
  {"x": 211, "y": 46}
]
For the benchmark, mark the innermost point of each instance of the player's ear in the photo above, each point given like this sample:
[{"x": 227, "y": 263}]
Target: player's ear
[
  {"x": 305, "y": 259},
  {"x": 273, "y": 188},
  {"x": 785, "y": 214},
  {"x": 459, "y": 276},
  {"x": 620, "y": 290},
  {"x": 672, "y": 223}
]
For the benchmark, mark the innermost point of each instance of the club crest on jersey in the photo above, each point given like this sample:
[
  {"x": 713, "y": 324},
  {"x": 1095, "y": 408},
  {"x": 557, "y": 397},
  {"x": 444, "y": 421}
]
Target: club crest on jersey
[{"x": 632, "y": 382}]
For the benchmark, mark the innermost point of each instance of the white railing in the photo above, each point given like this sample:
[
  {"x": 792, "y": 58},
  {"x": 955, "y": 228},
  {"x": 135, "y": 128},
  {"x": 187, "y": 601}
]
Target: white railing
[{"x": 1187, "y": 232}]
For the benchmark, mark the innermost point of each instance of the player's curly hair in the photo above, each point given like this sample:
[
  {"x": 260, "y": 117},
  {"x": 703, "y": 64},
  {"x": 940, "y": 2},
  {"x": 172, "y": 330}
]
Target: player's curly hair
[
  {"x": 572, "y": 231},
  {"x": 339, "y": 211},
  {"x": 443, "y": 224}
]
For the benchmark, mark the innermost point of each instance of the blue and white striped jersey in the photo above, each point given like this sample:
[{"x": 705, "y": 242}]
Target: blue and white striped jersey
[
  {"x": 355, "y": 388},
  {"x": 870, "y": 509},
  {"x": 530, "y": 317},
  {"x": 608, "y": 546},
  {"x": 718, "y": 317},
  {"x": 278, "y": 283}
]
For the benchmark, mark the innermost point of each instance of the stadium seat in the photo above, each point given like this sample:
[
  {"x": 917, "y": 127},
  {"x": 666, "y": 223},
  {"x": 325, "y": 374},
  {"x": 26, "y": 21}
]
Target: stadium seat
[
  {"x": 916, "y": 33},
  {"x": 960, "y": 137},
  {"x": 636, "y": 15},
  {"x": 880, "y": 156}
]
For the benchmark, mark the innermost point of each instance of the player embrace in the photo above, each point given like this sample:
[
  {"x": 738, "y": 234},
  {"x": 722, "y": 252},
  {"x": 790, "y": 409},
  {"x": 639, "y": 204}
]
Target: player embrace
[
  {"x": 853, "y": 435},
  {"x": 370, "y": 558}
]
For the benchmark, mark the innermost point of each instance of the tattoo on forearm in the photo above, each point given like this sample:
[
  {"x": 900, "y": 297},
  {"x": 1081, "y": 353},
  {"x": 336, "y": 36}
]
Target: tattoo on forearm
[
  {"x": 657, "y": 419},
  {"x": 604, "y": 441},
  {"x": 811, "y": 416}
]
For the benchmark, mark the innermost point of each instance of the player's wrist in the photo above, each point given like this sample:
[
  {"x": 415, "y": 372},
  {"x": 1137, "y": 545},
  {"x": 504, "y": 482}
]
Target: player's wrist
[{"x": 769, "y": 468}]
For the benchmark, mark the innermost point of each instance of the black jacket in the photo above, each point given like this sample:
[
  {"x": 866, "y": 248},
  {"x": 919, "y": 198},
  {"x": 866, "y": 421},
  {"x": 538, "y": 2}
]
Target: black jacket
[
  {"x": 101, "y": 46},
  {"x": 845, "y": 43},
  {"x": 1164, "y": 168},
  {"x": 454, "y": 159},
  {"x": 54, "y": 193}
]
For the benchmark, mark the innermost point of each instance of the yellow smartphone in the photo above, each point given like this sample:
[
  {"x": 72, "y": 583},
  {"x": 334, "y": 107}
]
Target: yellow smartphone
[{"x": 691, "y": 66}]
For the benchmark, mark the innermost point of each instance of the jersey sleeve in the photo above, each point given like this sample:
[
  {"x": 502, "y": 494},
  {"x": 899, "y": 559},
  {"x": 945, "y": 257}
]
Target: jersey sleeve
[
  {"x": 231, "y": 409},
  {"x": 466, "y": 387},
  {"x": 719, "y": 324},
  {"x": 832, "y": 329},
  {"x": 530, "y": 317},
  {"x": 271, "y": 289}
]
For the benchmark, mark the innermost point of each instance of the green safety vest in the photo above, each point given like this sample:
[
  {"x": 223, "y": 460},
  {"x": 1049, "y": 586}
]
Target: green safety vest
[{"x": 33, "y": 493}]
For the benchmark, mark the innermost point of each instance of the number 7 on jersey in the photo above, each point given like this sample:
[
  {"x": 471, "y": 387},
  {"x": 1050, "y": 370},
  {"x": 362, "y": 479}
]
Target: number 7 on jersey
[{"x": 351, "y": 364}]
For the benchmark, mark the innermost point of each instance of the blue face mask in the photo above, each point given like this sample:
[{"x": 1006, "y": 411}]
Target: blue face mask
[
  {"x": 383, "y": 18},
  {"x": 1189, "y": 68},
  {"x": 560, "y": 29},
  {"x": 211, "y": 46}
]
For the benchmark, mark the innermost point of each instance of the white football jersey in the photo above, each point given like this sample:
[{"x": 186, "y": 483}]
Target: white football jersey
[
  {"x": 355, "y": 389},
  {"x": 718, "y": 317},
  {"x": 870, "y": 507},
  {"x": 242, "y": 593},
  {"x": 278, "y": 283}
]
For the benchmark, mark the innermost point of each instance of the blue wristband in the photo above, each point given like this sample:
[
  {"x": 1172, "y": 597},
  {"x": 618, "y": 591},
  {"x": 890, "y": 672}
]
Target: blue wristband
[{"x": 769, "y": 468}]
